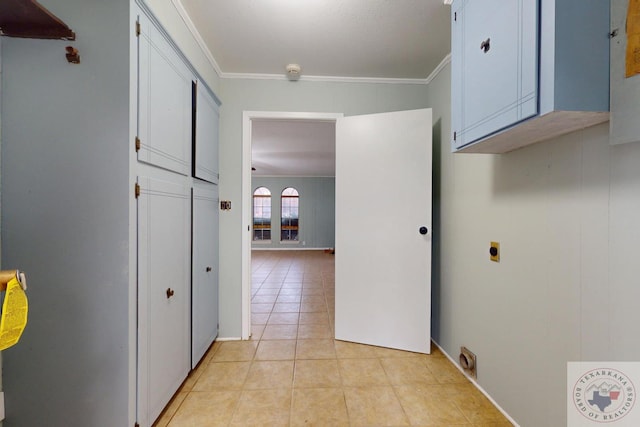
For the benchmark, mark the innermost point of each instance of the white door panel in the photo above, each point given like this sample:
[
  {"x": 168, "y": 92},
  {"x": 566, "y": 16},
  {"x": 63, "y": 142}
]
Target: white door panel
[{"x": 383, "y": 197}]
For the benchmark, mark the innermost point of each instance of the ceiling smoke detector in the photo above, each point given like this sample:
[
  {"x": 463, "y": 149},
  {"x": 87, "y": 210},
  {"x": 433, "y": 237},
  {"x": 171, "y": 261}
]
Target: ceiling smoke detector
[{"x": 293, "y": 71}]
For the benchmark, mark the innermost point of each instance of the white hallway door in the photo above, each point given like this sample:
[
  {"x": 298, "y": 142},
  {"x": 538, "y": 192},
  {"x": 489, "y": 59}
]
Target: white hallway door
[{"x": 383, "y": 229}]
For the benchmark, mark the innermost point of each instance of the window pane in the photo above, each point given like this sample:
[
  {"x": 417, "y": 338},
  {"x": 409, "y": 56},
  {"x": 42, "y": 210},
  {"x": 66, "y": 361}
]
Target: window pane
[
  {"x": 289, "y": 215},
  {"x": 261, "y": 214}
]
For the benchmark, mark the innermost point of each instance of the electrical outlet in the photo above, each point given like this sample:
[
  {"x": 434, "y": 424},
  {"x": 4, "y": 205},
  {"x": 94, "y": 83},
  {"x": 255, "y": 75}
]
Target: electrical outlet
[{"x": 494, "y": 252}]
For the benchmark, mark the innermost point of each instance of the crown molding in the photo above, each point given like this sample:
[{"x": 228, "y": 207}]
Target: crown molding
[
  {"x": 257, "y": 76},
  {"x": 177, "y": 4}
]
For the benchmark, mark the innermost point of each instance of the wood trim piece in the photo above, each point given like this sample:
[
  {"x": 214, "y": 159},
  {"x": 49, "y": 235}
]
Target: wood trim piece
[{"x": 29, "y": 19}]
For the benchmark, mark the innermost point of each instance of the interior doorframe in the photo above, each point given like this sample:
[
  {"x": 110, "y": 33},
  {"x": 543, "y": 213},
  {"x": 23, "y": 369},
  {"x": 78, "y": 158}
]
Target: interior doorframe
[{"x": 247, "y": 216}]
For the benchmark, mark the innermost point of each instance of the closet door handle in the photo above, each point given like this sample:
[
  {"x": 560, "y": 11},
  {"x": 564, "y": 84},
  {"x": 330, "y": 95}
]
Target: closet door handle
[
  {"x": 208, "y": 269},
  {"x": 170, "y": 293},
  {"x": 485, "y": 45}
]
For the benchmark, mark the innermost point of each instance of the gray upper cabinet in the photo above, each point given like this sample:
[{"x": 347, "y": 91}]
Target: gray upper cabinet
[
  {"x": 205, "y": 134},
  {"x": 164, "y": 111},
  {"x": 494, "y": 66},
  {"x": 526, "y": 71}
]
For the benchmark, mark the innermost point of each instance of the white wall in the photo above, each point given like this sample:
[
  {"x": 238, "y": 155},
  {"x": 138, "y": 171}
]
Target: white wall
[
  {"x": 240, "y": 95},
  {"x": 565, "y": 213}
]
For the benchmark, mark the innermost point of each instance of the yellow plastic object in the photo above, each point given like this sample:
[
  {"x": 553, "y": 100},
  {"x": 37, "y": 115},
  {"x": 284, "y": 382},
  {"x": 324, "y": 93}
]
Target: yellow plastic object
[{"x": 14, "y": 314}]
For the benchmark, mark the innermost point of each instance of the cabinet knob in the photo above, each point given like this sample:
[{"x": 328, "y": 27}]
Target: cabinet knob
[
  {"x": 170, "y": 293},
  {"x": 423, "y": 230},
  {"x": 485, "y": 45},
  {"x": 208, "y": 269}
]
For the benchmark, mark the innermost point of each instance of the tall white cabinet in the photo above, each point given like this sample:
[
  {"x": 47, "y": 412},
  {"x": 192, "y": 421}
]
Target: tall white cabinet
[{"x": 105, "y": 209}]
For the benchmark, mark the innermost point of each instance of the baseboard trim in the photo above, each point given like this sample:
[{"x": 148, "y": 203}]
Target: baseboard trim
[
  {"x": 478, "y": 386},
  {"x": 289, "y": 248}
]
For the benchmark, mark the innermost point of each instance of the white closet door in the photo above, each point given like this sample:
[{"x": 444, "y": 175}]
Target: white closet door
[
  {"x": 164, "y": 102},
  {"x": 204, "y": 270},
  {"x": 163, "y": 293}
]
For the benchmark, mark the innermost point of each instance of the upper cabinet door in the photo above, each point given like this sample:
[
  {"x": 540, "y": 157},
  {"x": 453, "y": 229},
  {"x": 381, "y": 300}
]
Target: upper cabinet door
[
  {"x": 164, "y": 102},
  {"x": 494, "y": 66},
  {"x": 205, "y": 134}
]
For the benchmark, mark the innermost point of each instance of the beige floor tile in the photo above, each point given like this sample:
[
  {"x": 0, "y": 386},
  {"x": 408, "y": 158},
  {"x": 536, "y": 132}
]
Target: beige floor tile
[
  {"x": 206, "y": 409},
  {"x": 390, "y": 352},
  {"x": 276, "y": 350},
  {"x": 235, "y": 351},
  {"x": 270, "y": 374},
  {"x": 171, "y": 409},
  {"x": 313, "y": 307},
  {"x": 406, "y": 370},
  {"x": 289, "y": 299},
  {"x": 263, "y": 408},
  {"x": 263, "y": 299},
  {"x": 193, "y": 376},
  {"x": 350, "y": 350},
  {"x": 428, "y": 405},
  {"x": 316, "y": 373},
  {"x": 280, "y": 332},
  {"x": 291, "y": 291},
  {"x": 320, "y": 318},
  {"x": 313, "y": 291},
  {"x": 271, "y": 285},
  {"x": 256, "y": 332},
  {"x": 444, "y": 371},
  {"x": 289, "y": 285},
  {"x": 259, "y": 318},
  {"x": 319, "y": 407},
  {"x": 261, "y": 308},
  {"x": 314, "y": 331},
  {"x": 268, "y": 291},
  {"x": 315, "y": 349},
  {"x": 313, "y": 299},
  {"x": 286, "y": 307},
  {"x": 362, "y": 372},
  {"x": 283, "y": 319},
  {"x": 374, "y": 406},
  {"x": 473, "y": 404},
  {"x": 223, "y": 375}
]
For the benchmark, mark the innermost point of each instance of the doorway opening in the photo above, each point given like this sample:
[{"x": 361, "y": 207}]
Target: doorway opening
[{"x": 247, "y": 193}]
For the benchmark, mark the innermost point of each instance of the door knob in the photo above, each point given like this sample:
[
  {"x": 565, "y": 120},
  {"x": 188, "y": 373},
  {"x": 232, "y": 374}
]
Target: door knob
[
  {"x": 170, "y": 293},
  {"x": 424, "y": 230},
  {"x": 208, "y": 269}
]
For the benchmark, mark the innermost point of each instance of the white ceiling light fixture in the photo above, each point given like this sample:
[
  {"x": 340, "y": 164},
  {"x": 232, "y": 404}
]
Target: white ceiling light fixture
[{"x": 293, "y": 72}]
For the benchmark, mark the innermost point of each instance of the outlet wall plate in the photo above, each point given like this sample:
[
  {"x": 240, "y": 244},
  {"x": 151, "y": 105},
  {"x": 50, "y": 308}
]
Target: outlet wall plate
[{"x": 494, "y": 252}]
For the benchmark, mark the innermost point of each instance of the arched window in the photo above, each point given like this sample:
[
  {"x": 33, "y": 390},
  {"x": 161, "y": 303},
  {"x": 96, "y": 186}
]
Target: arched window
[
  {"x": 262, "y": 214},
  {"x": 289, "y": 215}
]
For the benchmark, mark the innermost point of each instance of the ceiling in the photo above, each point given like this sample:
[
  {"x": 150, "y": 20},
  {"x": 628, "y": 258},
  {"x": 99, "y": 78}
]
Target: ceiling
[{"x": 350, "y": 40}]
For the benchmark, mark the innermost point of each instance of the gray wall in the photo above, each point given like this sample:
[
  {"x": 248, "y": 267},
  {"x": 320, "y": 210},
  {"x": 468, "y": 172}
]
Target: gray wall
[
  {"x": 317, "y": 211},
  {"x": 240, "y": 95},
  {"x": 565, "y": 212},
  {"x": 65, "y": 218}
]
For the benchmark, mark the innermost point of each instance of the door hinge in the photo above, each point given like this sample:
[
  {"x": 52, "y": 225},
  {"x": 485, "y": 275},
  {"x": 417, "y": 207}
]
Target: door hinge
[
  {"x": 137, "y": 28},
  {"x": 137, "y": 190},
  {"x": 137, "y": 144},
  {"x": 454, "y": 136}
]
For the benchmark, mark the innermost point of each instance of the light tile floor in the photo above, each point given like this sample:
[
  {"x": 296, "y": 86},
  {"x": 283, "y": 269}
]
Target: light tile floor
[{"x": 293, "y": 373}]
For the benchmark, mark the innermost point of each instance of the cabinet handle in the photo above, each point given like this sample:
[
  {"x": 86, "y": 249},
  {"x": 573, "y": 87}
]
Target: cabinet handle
[
  {"x": 485, "y": 45},
  {"x": 170, "y": 293},
  {"x": 209, "y": 269}
]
